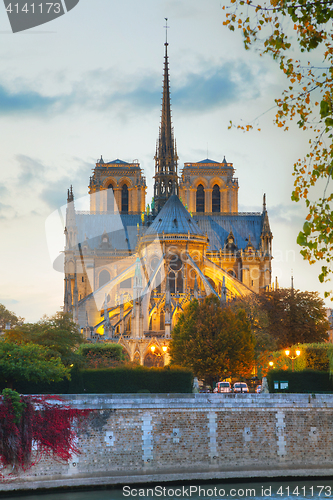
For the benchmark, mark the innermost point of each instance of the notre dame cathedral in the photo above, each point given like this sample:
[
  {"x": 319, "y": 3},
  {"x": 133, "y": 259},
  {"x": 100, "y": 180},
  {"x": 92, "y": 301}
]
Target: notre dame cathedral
[{"x": 130, "y": 269}]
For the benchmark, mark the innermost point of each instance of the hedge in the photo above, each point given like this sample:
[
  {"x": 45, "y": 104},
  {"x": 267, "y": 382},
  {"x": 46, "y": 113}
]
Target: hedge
[
  {"x": 307, "y": 381},
  {"x": 116, "y": 380}
]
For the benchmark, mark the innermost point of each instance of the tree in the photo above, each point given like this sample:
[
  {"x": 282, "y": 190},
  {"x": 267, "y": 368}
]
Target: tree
[
  {"x": 295, "y": 317},
  {"x": 213, "y": 341},
  {"x": 31, "y": 362},
  {"x": 259, "y": 322},
  {"x": 287, "y": 29},
  {"x": 8, "y": 317},
  {"x": 59, "y": 334}
]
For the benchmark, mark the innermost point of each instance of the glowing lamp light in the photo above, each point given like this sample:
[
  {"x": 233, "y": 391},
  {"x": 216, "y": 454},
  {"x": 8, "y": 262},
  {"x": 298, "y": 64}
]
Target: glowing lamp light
[
  {"x": 164, "y": 348},
  {"x": 152, "y": 348},
  {"x": 271, "y": 363},
  {"x": 298, "y": 352},
  {"x": 287, "y": 352}
]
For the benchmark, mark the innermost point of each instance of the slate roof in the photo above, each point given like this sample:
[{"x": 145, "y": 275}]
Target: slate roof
[
  {"x": 219, "y": 226},
  {"x": 121, "y": 229},
  {"x": 122, "y": 162},
  {"x": 174, "y": 219}
]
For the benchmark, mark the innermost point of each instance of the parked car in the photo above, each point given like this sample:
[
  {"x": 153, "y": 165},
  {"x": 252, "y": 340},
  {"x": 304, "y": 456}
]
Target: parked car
[
  {"x": 223, "y": 387},
  {"x": 258, "y": 388},
  {"x": 240, "y": 387}
]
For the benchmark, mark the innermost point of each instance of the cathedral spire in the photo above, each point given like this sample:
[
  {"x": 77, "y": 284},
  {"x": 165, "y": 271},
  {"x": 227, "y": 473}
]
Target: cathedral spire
[{"x": 166, "y": 178}]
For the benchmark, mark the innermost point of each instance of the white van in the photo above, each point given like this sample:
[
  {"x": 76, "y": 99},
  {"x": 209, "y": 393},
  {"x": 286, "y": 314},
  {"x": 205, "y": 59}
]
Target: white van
[{"x": 223, "y": 387}]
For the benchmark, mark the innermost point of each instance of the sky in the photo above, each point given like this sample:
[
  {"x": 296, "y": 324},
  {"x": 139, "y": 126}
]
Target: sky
[{"x": 89, "y": 84}]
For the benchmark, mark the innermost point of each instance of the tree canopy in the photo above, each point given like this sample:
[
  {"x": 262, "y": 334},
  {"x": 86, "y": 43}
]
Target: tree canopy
[
  {"x": 289, "y": 30},
  {"x": 8, "y": 317},
  {"x": 30, "y": 362},
  {"x": 214, "y": 342},
  {"x": 295, "y": 317},
  {"x": 59, "y": 334}
]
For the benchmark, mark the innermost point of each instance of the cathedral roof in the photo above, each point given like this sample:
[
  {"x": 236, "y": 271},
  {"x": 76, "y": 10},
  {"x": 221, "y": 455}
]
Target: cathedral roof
[
  {"x": 207, "y": 160},
  {"x": 122, "y": 162},
  {"x": 120, "y": 228},
  {"x": 174, "y": 219},
  {"x": 242, "y": 225}
]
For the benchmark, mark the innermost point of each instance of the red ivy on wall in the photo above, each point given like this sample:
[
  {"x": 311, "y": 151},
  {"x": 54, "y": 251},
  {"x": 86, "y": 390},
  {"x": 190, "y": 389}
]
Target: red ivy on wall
[{"x": 43, "y": 423}]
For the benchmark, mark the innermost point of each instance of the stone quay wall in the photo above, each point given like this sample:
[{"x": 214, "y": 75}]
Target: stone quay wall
[{"x": 173, "y": 437}]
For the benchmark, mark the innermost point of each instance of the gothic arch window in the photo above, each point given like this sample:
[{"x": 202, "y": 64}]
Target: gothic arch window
[
  {"x": 136, "y": 358},
  {"x": 200, "y": 205},
  {"x": 124, "y": 199},
  {"x": 180, "y": 282},
  {"x": 162, "y": 320},
  {"x": 162, "y": 187},
  {"x": 170, "y": 187},
  {"x": 232, "y": 273},
  {"x": 110, "y": 199},
  {"x": 216, "y": 199},
  {"x": 104, "y": 277},
  {"x": 172, "y": 282}
]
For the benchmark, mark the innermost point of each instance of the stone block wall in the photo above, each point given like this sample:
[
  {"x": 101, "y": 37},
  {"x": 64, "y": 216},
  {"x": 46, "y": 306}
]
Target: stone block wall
[{"x": 143, "y": 435}]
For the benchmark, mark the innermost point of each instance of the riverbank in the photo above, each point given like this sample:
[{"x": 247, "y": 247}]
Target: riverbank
[{"x": 148, "y": 438}]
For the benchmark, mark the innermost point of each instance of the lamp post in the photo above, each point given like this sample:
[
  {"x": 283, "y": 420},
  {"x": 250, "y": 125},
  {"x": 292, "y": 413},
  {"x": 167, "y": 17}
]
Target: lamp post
[
  {"x": 157, "y": 354},
  {"x": 297, "y": 353}
]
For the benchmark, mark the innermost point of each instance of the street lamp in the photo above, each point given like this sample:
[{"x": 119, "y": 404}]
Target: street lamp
[
  {"x": 158, "y": 354},
  {"x": 297, "y": 353}
]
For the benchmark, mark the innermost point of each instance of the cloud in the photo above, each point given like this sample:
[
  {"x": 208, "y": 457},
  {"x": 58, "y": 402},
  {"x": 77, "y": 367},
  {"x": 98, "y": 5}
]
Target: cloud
[
  {"x": 30, "y": 169},
  {"x": 27, "y": 101},
  {"x": 55, "y": 194},
  {"x": 213, "y": 86},
  {"x": 292, "y": 214},
  {"x": 7, "y": 211}
]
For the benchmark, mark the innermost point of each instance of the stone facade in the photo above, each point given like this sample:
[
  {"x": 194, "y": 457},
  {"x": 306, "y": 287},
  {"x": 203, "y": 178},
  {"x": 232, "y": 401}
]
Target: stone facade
[
  {"x": 215, "y": 436},
  {"x": 190, "y": 243}
]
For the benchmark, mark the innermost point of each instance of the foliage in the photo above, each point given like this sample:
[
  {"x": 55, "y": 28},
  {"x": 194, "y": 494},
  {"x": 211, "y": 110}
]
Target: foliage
[
  {"x": 287, "y": 30},
  {"x": 308, "y": 381},
  {"x": 8, "y": 317},
  {"x": 314, "y": 356},
  {"x": 59, "y": 334},
  {"x": 295, "y": 316},
  {"x": 258, "y": 318},
  {"x": 26, "y": 419},
  {"x": 213, "y": 341},
  {"x": 102, "y": 355},
  {"x": 30, "y": 362}
]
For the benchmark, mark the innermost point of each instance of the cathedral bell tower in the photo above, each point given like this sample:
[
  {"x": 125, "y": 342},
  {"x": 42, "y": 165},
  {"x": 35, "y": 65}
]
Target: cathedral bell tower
[{"x": 166, "y": 177}]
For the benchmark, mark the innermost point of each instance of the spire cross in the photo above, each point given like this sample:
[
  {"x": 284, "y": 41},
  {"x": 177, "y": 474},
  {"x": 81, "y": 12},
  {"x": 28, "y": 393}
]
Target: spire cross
[{"x": 166, "y": 30}]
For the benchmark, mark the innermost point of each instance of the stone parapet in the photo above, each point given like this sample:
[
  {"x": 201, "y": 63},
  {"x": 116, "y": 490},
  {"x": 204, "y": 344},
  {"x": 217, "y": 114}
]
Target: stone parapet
[{"x": 130, "y": 438}]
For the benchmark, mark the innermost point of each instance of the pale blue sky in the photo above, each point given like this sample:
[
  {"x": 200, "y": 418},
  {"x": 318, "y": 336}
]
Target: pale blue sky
[{"x": 89, "y": 83}]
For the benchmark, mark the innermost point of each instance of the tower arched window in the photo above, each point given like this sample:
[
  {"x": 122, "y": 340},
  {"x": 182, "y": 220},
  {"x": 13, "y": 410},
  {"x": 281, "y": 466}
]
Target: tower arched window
[
  {"x": 110, "y": 199},
  {"x": 200, "y": 205},
  {"x": 216, "y": 199},
  {"x": 124, "y": 199}
]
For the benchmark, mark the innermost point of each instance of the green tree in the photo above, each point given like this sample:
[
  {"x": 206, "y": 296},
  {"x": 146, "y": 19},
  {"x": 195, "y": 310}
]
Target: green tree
[
  {"x": 289, "y": 30},
  {"x": 295, "y": 317},
  {"x": 30, "y": 362},
  {"x": 214, "y": 342},
  {"x": 59, "y": 334},
  {"x": 259, "y": 322},
  {"x": 8, "y": 317}
]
